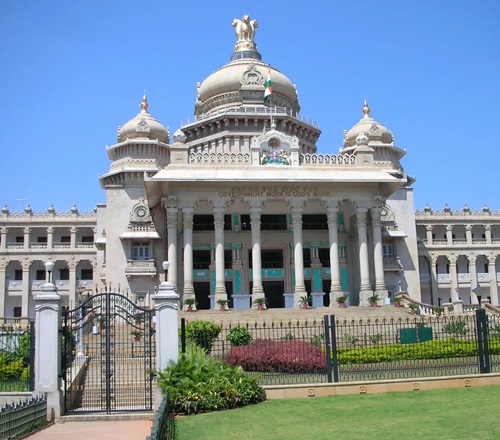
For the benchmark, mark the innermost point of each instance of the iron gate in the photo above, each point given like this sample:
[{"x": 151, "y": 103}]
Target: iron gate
[{"x": 108, "y": 350}]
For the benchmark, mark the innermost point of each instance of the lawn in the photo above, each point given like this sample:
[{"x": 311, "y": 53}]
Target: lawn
[{"x": 456, "y": 414}]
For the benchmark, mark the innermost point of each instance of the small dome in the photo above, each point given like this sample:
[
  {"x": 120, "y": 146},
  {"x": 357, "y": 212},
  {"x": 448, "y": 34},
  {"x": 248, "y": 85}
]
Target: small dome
[
  {"x": 143, "y": 126},
  {"x": 372, "y": 129}
]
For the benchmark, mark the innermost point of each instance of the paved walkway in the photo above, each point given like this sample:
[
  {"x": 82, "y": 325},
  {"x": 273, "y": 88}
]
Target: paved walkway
[{"x": 101, "y": 429}]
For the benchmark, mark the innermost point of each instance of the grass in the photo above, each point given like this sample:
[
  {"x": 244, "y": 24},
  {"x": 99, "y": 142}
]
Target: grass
[{"x": 454, "y": 414}]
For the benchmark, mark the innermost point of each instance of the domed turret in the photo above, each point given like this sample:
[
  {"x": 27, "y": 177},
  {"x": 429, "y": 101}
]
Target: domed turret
[
  {"x": 143, "y": 126},
  {"x": 241, "y": 81},
  {"x": 374, "y": 131}
]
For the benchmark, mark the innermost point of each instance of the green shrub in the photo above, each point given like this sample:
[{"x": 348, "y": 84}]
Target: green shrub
[
  {"x": 202, "y": 333},
  {"x": 456, "y": 328},
  {"x": 437, "y": 349},
  {"x": 199, "y": 383},
  {"x": 239, "y": 336}
]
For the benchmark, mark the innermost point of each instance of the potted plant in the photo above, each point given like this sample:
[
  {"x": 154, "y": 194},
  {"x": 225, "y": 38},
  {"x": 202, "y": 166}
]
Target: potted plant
[
  {"x": 137, "y": 334},
  {"x": 414, "y": 309},
  {"x": 373, "y": 300},
  {"x": 260, "y": 303},
  {"x": 341, "y": 301},
  {"x": 398, "y": 301},
  {"x": 190, "y": 302},
  {"x": 222, "y": 303},
  {"x": 139, "y": 318},
  {"x": 438, "y": 311},
  {"x": 305, "y": 301}
]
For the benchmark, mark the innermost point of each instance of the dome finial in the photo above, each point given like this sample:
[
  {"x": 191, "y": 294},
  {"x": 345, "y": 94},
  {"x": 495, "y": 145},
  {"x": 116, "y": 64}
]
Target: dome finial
[
  {"x": 366, "y": 110},
  {"x": 144, "y": 104}
]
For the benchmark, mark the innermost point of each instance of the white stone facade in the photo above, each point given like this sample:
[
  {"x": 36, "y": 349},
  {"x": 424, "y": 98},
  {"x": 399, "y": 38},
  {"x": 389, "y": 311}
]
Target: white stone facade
[{"x": 243, "y": 206}]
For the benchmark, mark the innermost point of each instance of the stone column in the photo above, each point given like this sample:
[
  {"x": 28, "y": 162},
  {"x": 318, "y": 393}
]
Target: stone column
[
  {"x": 187, "y": 218},
  {"x": 332, "y": 212},
  {"x": 468, "y": 234},
  {"x": 50, "y": 237},
  {"x": 3, "y": 242},
  {"x": 473, "y": 277},
  {"x": 493, "y": 278},
  {"x": 434, "y": 280},
  {"x": 364, "y": 287},
  {"x": 298, "y": 254},
  {"x": 3, "y": 287},
  {"x": 428, "y": 234},
  {"x": 167, "y": 334},
  {"x": 48, "y": 349},
  {"x": 458, "y": 304},
  {"x": 73, "y": 238},
  {"x": 172, "y": 245},
  {"x": 73, "y": 300},
  {"x": 220, "y": 281},
  {"x": 26, "y": 289},
  {"x": 378, "y": 254},
  {"x": 449, "y": 235},
  {"x": 487, "y": 233},
  {"x": 26, "y": 244},
  {"x": 257, "y": 289}
]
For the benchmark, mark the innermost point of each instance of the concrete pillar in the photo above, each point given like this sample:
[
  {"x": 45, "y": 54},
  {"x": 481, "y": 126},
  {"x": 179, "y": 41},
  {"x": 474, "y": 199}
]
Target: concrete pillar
[
  {"x": 257, "y": 289},
  {"x": 458, "y": 304},
  {"x": 473, "y": 278},
  {"x": 378, "y": 254},
  {"x": 428, "y": 233},
  {"x": 220, "y": 281},
  {"x": 26, "y": 289},
  {"x": 434, "y": 280},
  {"x": 73, "y": 238},
  {"x": 468, "y": 234},
  {"x": 449, "y": 235},
  {"x": 167, "y": 334},
  {"x": 332, "y": 213},
  {"x": 487, "y": 233},
  {"x": 172, "y": 244},
  {"x": 3, "y": 289},
  {"x": 493, "y": 279},
  {"x": 364, "y": 288},
  {"x": 50, "y": 237},
  {"x": 187, "y": 218},
  {"x": 3, "y": 241},
  {"x": 73, "y": 300},
  {"x": 298, "y": 254},
  {"x": 48, "y": 349},
  {"x": 26, "y": 244}
]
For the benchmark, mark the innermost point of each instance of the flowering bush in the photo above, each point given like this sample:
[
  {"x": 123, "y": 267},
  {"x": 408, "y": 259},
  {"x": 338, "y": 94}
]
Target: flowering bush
[{"x": 278, "y": 356}]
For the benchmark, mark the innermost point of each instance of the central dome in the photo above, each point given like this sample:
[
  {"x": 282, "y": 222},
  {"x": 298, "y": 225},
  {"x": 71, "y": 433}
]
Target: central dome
[{"x": 241, "y": 82}]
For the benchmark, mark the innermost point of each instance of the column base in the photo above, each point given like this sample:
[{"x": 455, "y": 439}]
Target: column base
[
  {"x": 299, "y": 292},
  {"x": 257, "y": 293},
  {"x": 334, "y": 294},
  {"x": 458, "y": 306},
  {"x": 363, "y": 298},
  {"x": 384, "y": 296}
]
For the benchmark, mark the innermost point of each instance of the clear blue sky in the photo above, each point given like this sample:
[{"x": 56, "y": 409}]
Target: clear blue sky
[{"x": 73, "y": 71}]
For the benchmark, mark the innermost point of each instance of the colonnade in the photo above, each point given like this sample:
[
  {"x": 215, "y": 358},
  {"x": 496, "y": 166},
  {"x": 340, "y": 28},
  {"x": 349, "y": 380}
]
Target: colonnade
[{"x": 366, "y": 288}]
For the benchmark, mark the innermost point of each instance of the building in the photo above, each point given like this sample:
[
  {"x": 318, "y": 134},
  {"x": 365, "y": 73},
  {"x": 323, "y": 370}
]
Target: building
[{"x": 243, "y": 206}]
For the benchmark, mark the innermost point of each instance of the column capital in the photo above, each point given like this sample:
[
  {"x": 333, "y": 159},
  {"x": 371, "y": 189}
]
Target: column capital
[
  {"x": 468, "y": 227},
  {"x": 169, "y": 202},
  {"x": 452, "y": 259},
  {"x": 361, "y": 214},
  {"x": 491, "y": 258},
  {"x": 471, "y": 257},
  {"x": 330, "y": 204},
  {"x": 449, "y": 227},
  {"x": 429, "y": 228},
  {"x": 487, "y": 227}
]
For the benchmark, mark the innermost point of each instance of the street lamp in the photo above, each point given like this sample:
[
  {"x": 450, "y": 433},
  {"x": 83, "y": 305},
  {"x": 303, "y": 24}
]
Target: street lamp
[
  {"x": 49, "y": 265},
  {"x": 166, "y": 265}
]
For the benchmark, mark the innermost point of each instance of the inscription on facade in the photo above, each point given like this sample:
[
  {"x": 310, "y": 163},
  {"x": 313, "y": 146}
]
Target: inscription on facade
[{"x": 278, "y": 191}]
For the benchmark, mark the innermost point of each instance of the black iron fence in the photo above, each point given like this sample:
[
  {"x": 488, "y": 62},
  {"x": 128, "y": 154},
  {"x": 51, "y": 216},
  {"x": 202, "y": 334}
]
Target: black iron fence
[
  {"x": 333, "y": 350},
  {"x": 164, "y": 425},
  {"x": 17, "y": 354}
]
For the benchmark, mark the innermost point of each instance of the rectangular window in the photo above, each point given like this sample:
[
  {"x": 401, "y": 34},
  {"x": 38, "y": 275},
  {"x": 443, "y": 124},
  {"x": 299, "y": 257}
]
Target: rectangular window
[
  {"x": 228, "y": 259},
  {"x": 201, "y": 259},
  {"x": 64, "y": 274},
  {"x": 273, "y": 222},
  {"x": 87, "y": 274},
  {"x": 140, "y": 251},
  {"x": 20, "y": 239},
  {"x": 41, "y": 239},
  {"x": 203, "y": 222},
  {"x": 65, "y": 239},
  {"x": 88, "y": 239},
  {"x": 227, "y": 223},
  {"x": 316, "y": 222},
  {"x": 17, "y": 312},
  {"x": 40, "y": 275},
  {"x": 271, "y": 258},
  {"x": 18, "y": 274},
  {"x": 306, "y": 255},
  {"x": 324, "y": 256},
  {"x": 388, "y": 250}
]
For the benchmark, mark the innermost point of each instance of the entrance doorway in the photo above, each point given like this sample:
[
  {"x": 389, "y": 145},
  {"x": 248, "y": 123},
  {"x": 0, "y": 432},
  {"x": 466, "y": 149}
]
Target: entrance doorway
[{"x": 274, "y": 293}]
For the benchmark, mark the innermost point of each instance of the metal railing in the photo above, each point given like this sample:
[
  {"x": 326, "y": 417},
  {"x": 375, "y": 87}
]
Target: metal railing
[
  {"x": 164, "y": 426},
  {"x": 333, "y": 350},
  {"x": 23, "y": 417}
]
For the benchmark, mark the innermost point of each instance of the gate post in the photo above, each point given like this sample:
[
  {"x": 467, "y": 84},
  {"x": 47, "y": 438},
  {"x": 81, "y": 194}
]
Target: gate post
[
  {"x": 47, "y": 349},
  {"x": 167, "y": 329}
]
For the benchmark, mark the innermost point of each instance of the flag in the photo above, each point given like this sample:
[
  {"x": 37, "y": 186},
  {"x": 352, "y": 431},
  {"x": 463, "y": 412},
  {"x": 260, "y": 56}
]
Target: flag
[{"x": 269, "y": 88}]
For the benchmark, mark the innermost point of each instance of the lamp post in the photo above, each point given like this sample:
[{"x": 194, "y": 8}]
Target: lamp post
[
  {"x": 165, "y": 266},
  {"x": 478, "y": 290},
  {"x": 49, "y": 265}
]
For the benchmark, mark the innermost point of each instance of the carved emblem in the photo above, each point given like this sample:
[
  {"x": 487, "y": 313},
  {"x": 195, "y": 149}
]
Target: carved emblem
[
  {"x": 143, "y": 127},
  {"x": 140, "y": 212},
  {"x": 375, "y": 130},
  {"x": 362, "y": 139},
  {"x": 245, "y": 33},
  {"x": 252, "y": 76},
  {"x": 179, "y": 136}
]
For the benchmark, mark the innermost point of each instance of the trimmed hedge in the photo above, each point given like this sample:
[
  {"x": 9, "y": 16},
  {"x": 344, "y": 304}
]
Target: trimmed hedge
[
  {"x": 264, "y": 355},
  {"x": 202, "y": 333},
  {"x": 437, "y": 349}
]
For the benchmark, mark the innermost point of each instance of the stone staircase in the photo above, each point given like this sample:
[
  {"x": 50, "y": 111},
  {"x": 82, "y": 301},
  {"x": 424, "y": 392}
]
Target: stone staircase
[{"x": 301, "y": 315}]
